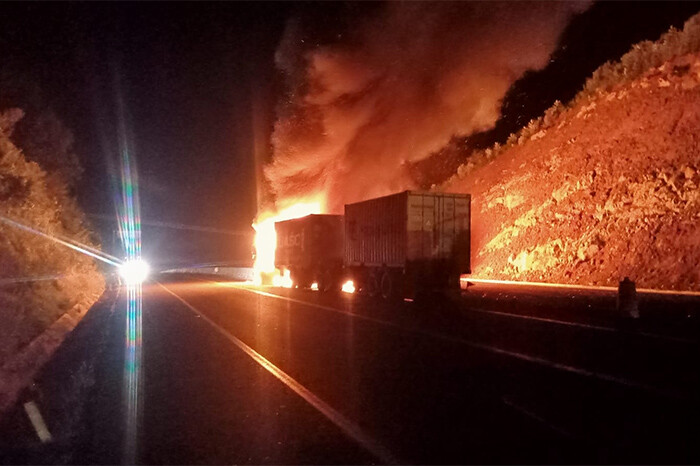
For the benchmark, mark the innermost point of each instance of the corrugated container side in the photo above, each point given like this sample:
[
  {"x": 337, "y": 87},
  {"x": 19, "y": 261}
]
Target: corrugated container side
[
  {"x": 438, "y": 225},
  {"x": 375, "y": 232},
  {"x": 408, "y": 226},
  {"x": 463, "y": 218},
  {"x": 290, "y": 247}
]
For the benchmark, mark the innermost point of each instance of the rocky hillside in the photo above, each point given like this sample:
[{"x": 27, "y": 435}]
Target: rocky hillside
[
  {"x": 604, "y": 188},
  {"x": 39, "y": 279}
]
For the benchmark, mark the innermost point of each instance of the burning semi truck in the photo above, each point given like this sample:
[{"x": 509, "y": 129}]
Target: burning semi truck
[{"x": 393, "y": 246}]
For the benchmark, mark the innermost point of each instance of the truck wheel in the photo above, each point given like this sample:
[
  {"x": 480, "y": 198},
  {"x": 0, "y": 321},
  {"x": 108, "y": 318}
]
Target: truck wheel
[
  {"x": 387, "y": 286},
  {"x": 326, "y": 282},
  {"x": 372, "y": 285}
]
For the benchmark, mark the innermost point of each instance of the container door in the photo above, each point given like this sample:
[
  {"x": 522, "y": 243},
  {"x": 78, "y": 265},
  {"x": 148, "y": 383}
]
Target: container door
[
  {"x": 446, "y": 226},
  {"x": 462, "y": 246},
  {"x": 421, "y": 226}
]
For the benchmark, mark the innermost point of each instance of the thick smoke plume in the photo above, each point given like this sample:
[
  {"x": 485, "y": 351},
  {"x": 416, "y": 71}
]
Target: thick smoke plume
[{"x": 397, "y": 87}]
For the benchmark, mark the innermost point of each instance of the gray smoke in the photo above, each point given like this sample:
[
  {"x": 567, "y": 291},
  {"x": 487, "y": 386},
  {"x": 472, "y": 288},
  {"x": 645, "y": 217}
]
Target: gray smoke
[{"x": 396, "y": 89}]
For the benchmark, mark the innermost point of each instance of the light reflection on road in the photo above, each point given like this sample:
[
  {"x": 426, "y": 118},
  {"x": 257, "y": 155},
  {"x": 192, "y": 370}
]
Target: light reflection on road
[{"x": 132, "y": 369}]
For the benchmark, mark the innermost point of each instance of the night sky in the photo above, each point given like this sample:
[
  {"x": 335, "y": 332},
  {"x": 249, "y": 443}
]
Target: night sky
[
  {"x": 189, "y": 74},
  {"x": 185, "y": 73}
]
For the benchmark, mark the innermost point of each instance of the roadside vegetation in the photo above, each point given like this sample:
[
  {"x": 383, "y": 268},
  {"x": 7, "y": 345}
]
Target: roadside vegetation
[{"x": 40, "y": 280}]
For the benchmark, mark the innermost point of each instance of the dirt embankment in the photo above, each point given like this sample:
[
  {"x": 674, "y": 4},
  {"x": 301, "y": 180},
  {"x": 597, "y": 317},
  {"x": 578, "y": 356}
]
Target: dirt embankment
[
  {"x": 40, "y": 280},
  {"x": 606, "y": 188}
]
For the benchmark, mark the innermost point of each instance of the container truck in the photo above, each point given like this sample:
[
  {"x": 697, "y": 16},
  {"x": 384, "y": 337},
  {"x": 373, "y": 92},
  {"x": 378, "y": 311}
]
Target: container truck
[
  {"x": 405, "y": 243},
  {"x": 393, "y": 246},
  {"x": 311, "y": 249}
]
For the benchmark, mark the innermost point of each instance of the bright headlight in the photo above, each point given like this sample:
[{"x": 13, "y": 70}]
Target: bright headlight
[{"x": 134, "y": 271}]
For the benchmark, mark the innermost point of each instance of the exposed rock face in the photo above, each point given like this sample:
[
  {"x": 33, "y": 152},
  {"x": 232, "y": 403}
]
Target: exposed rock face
[{"x": 607, "y": 188}]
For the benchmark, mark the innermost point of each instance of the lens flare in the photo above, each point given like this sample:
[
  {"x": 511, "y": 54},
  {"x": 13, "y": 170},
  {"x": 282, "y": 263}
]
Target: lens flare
[
  {"x": 75, "y": 245},
  {"x": 266, "y": 237},
  {"x": 129, "y": 220},
  {"x": 134, "y": 271}
]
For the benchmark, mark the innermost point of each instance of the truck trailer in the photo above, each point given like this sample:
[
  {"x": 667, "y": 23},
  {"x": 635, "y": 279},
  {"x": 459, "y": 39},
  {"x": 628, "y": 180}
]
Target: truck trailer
[
  {"x": 311, "y": 249},
  {"x": 405, "y": 243},
  {"x": 393, "y": 246}
]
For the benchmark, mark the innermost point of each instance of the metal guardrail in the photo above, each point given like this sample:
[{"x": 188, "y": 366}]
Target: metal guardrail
[
  {"x": 611, "y": 289},
  {"x": 235, "y": 273}
]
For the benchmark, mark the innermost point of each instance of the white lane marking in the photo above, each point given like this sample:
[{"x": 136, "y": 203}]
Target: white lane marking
[
  {"x": 320, "y": 306},
  {"x": 577, "y": 287},
  {"x": 562, "y": 367},
  {"x": 348, "y": 427},
  {"x": 544, "y": 319},
  {"x": 484, "y": 311},
  {"x": 531, "y": 414},
  {"x": 493, "y": 349},
  {"x": 581, "y": 325},
  {"x": 37, "y": 421}
]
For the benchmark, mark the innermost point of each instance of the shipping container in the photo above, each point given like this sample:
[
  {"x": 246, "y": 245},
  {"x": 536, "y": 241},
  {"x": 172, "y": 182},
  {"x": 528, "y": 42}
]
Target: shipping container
[
  {"x": 397, "y": 245},
  {"x": 311, "y": 248},
  {"x": 408, "y": 241}
]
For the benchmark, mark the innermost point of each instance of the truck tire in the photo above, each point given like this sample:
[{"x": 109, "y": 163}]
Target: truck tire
[
  {"x": 372, "y": 284},
  {"x": 327, "y": 282},
  {"x": 299, "y": 279},
  {"x": 387, "y": 286}
]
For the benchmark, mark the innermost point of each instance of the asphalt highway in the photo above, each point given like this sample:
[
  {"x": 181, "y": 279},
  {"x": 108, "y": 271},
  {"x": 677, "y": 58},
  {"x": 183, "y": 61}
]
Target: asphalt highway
[{"x": 233, "y": 373}]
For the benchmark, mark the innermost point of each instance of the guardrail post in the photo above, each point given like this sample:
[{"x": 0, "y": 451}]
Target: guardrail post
[{"x": 627, "y": 302}]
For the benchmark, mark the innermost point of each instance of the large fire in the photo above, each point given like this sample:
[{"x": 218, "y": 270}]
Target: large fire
[
  {"x": 360, "y": 110},
  {"x": 266, "y": 239}
]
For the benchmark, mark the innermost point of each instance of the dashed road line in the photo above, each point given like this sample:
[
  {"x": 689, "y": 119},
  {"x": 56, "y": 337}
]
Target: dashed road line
[
  {"x": 563, "y": 367},
  {"x": 544, "y": 319},
  {"x": 533, "y": 415},
  {"x": 566, "y": 323},
  {"x": 37, "y": 421},
  {"x": 348, "y": 427}
]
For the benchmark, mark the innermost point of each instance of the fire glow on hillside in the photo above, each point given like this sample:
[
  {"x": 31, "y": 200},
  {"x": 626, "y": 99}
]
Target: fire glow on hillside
[{"x": 603, "y": 189}]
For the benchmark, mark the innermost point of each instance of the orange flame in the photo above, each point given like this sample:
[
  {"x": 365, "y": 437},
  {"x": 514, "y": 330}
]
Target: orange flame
[
  {"x": 348, "y": 287},
  {"x": 284, "y": 280},
  {"x": 266, "y": 238}
]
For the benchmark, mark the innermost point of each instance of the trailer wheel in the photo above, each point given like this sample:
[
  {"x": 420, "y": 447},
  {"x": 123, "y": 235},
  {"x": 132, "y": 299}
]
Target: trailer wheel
[
  {"x": 327, "y": 282},
  {"x": 372, "y": 284},
  {"x": 387, "y": 286}
]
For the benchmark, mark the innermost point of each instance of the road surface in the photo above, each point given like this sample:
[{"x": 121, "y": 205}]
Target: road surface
[{"x": 232, "y": 373}]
